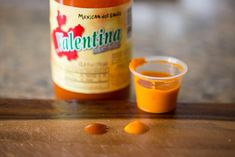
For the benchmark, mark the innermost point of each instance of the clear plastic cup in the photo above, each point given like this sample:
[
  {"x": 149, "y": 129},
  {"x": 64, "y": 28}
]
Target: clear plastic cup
[{"x": 157, "y": 81}]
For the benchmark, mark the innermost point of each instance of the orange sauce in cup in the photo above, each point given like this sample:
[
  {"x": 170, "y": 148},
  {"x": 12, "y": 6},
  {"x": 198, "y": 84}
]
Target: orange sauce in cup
[{"x": 157, "y": 97}]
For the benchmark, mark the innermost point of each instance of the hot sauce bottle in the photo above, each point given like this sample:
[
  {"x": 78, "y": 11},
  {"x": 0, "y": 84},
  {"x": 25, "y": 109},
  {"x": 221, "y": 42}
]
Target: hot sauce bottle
[{"x": 90, "y": 48}]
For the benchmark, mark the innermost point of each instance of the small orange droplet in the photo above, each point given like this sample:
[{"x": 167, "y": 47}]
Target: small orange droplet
[
  {"x": 136, "y": 127},
  {"x": 96, "y": 128}
]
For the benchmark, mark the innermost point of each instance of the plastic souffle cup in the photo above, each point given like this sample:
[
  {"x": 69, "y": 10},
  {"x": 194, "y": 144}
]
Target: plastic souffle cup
[{"x": 157, "y": 81}]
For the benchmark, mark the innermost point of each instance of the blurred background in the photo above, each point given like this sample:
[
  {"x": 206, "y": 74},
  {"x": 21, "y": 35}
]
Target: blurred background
[{"x": 200, "y": 32}]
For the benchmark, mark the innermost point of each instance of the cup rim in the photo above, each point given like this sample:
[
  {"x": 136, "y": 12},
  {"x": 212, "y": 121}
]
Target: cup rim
[{"x": 161, "y": 58}]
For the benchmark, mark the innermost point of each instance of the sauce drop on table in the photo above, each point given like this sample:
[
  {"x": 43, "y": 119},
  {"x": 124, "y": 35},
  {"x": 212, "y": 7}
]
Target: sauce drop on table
[
  {"x": 136, "y": 127},
  {"x": 96, "y": 129}
]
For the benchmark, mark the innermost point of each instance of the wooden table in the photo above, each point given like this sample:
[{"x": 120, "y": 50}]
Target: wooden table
[
  {"x": 201, "y": 33},
  {"x": 55, "y": 128}
]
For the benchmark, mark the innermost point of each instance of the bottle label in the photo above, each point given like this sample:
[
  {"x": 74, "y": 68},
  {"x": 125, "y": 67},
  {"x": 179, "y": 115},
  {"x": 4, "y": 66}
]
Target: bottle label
[{"x": 90, "y": 48}]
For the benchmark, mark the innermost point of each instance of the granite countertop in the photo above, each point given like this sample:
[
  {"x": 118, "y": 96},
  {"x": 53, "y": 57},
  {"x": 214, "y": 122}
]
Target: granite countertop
[{"x": 201, "y": 33}]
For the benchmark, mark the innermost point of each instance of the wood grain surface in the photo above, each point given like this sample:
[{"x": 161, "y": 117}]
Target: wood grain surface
[
  {"x": 55, "y": 128},
  {"x": 199, "y": 32},
  {"x": 49, "y": 109}
]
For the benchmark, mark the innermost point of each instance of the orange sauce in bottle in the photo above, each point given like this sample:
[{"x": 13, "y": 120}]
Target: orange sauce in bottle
[{"x": 62, "y": 93}]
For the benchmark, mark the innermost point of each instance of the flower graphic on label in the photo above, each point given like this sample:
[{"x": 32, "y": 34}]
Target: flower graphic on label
[{"x": 63, "y": 40}]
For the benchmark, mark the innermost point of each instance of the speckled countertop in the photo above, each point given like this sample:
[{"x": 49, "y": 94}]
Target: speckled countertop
[{"x": 200, "y": 32}]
